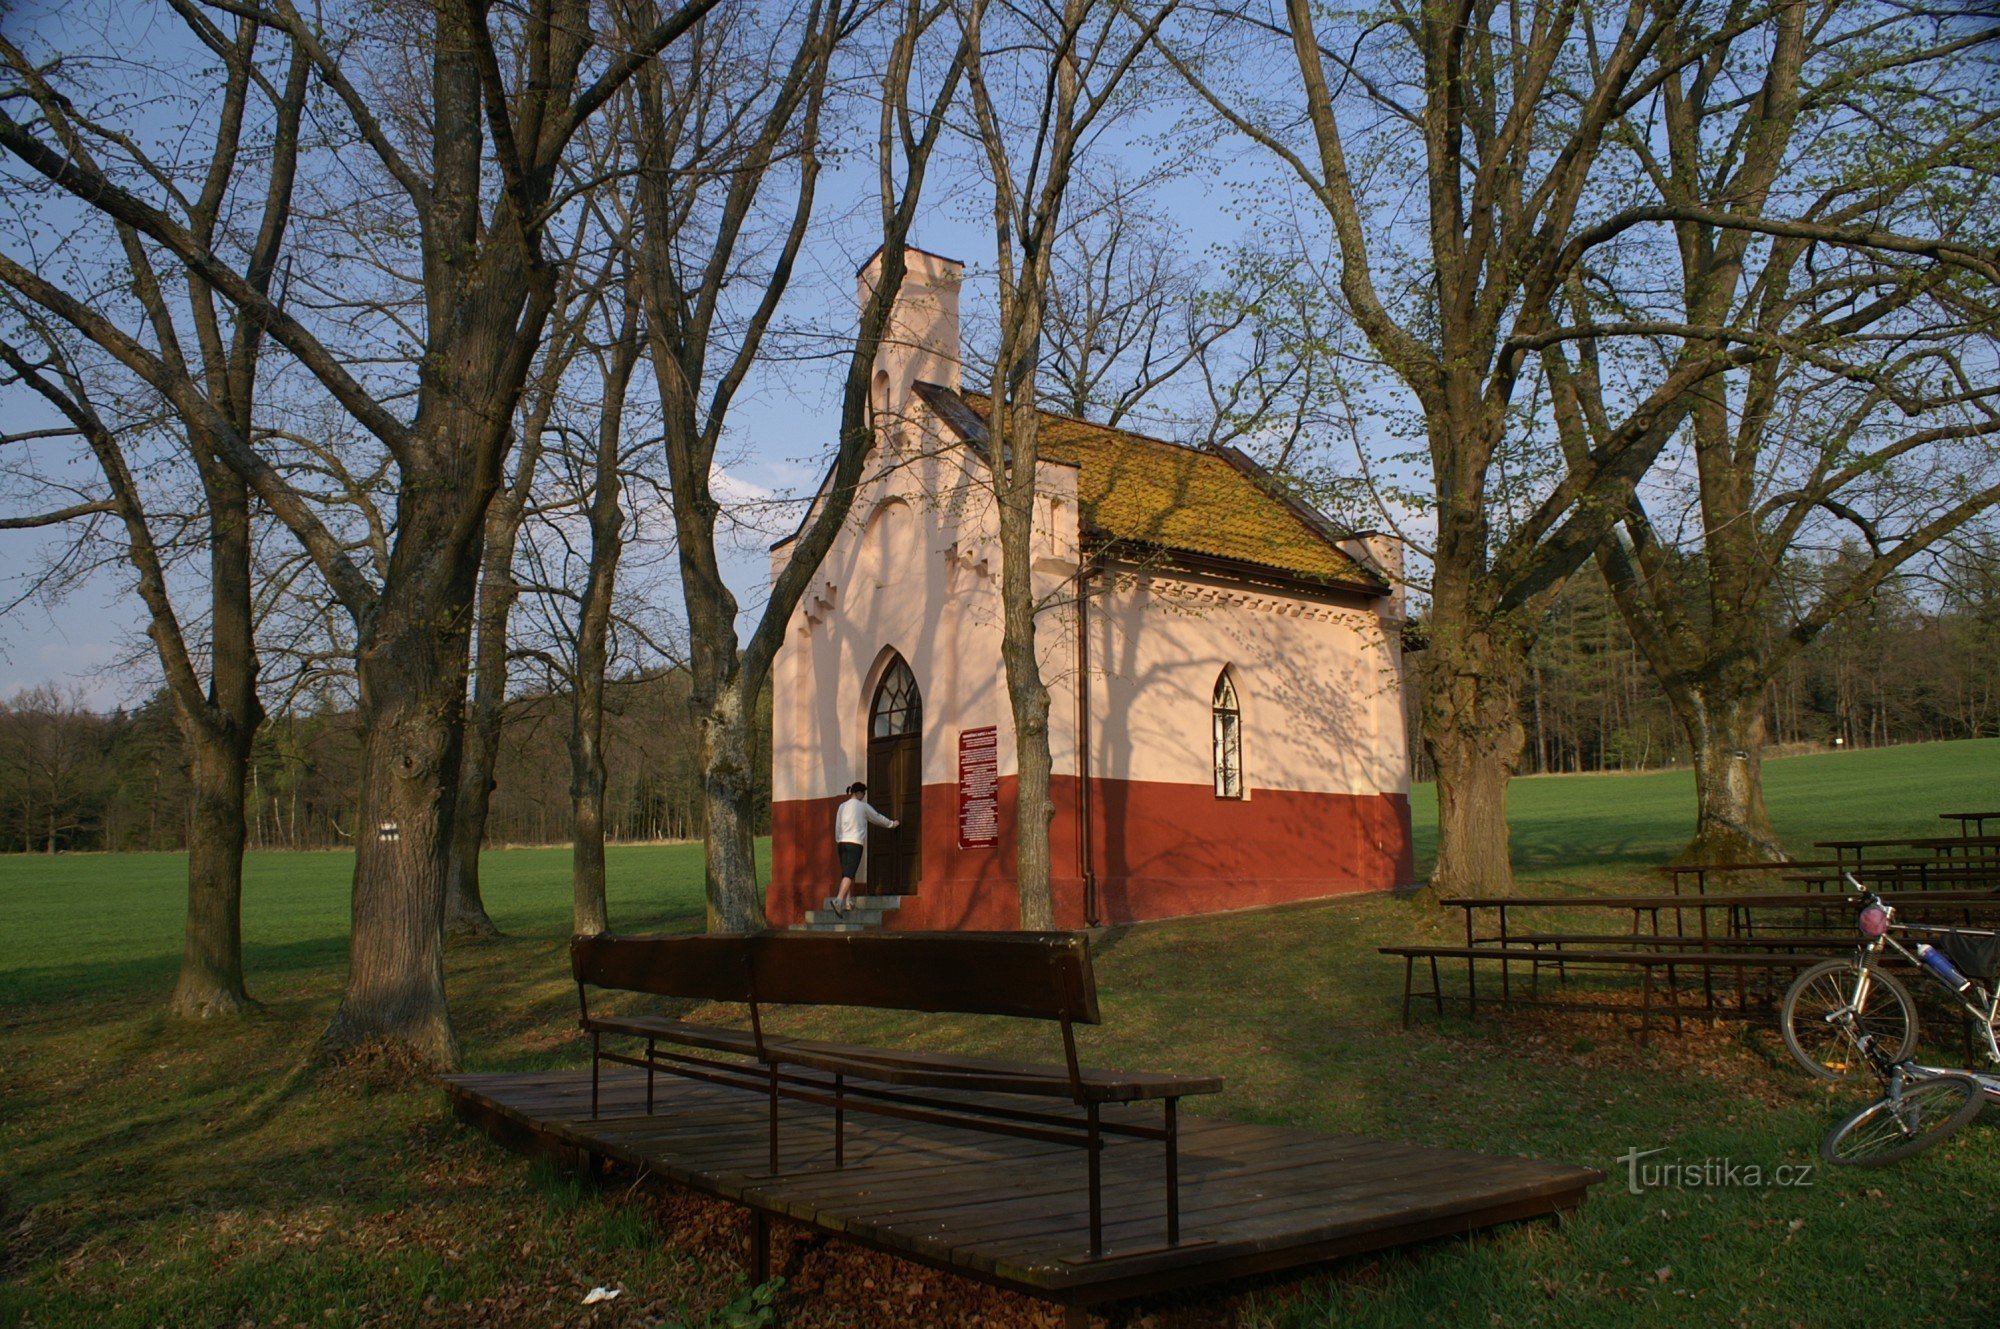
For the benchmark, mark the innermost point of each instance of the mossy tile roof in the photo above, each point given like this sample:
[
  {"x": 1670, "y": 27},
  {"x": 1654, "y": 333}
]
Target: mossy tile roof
[{"x": 1148, "y": 491}]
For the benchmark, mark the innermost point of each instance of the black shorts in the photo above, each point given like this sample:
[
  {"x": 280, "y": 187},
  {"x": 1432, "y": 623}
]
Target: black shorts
[{"x": 850, "y": 859}]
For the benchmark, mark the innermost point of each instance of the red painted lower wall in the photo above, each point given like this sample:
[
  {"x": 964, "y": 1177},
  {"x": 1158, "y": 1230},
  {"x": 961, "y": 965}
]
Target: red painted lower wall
[{"x": 1159, "y": 851}]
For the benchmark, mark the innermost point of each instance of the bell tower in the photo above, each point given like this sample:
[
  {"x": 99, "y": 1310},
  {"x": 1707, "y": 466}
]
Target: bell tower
[{"x": 920, "y": 343}]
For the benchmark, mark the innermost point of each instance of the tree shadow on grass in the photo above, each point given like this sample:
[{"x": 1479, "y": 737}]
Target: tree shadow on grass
[{"x": 151, "y": 977}]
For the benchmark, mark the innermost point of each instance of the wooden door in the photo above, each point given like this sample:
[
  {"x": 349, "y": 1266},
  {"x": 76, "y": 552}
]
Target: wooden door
[{"x": 896, "y": 783}]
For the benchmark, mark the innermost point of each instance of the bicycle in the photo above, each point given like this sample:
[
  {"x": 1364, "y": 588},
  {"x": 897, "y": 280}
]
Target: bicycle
[
  {"x": 1920, "y": 1106},
  {"x": 1835, "y": 1010},
  {"x": 1843, "y": 1015}
]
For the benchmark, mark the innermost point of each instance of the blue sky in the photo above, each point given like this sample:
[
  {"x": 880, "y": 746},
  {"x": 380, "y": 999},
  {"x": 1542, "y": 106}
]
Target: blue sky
[{"x": 779, "y": 427}]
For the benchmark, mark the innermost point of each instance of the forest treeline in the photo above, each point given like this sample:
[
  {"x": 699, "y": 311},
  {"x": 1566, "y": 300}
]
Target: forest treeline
[
  {"x": 73, "y": 778},
  {"x": 1920, "y": 661}
]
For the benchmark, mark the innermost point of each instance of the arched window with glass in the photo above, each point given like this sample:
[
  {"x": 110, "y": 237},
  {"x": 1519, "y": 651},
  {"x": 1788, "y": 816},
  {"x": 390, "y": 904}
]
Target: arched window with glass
[
  {"x": 1228, "y": 717},
  {"x": 899, "y": 707}
]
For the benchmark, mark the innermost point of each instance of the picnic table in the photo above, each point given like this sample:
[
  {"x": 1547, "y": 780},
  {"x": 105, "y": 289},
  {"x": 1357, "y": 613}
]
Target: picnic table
[
  {"x": 1831, "y": 871},
  {"x": 1970, "y": 823},
  {"x": 1678, "y": 874},
  {"x": 1820, "y": 909},
  {"x": 1647, "y": 962},
  {"x": 1920, "y": 875},
  {"x": 1940, "y": 846},
  {"x": 1739, "y": 907}
]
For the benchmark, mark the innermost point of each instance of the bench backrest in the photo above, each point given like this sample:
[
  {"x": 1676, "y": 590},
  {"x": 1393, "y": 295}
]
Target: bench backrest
[
  {"x": 700, "y": 968},
  {"x": 1034, "y": 975}
]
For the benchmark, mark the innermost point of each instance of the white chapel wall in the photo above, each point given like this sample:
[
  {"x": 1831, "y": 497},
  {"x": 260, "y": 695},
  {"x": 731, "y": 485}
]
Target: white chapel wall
[
  {"x": 1318, "y": 685},
  {"x": 916, "y": 569}
]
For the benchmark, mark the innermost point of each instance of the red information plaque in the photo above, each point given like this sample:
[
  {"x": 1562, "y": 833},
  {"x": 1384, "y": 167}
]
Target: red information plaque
[{"x": 978, "y": 788}]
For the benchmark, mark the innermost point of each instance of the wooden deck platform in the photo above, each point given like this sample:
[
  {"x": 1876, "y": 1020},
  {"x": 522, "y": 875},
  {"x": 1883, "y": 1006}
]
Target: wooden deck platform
[{"x": 1254, "y": 1199}]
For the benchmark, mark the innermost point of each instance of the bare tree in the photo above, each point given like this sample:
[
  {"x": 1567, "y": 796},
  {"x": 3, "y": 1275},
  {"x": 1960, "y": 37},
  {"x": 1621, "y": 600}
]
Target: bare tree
[
  {"x": 1127, "y": 310},
  {"x": 500, "y": 588},
  {"x": 1041, "y": 83},
  {"x": 217, "y": 379},
  {"x": 1504, "y": 122},
  {"x": 1874, "y": 411},
  {"x": 1238, "y": 351},
  {"x": 465, "y": 902},
  {"x": 599, "y": 467},
  {"x": 473, "y": 177},
  {"x": 593, "y": 631},
  {"x": 709, "y": 223}
]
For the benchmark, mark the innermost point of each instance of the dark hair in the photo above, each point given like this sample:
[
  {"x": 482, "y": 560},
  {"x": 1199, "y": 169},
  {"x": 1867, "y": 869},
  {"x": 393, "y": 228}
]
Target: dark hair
[{"x": 857, "y": 788}]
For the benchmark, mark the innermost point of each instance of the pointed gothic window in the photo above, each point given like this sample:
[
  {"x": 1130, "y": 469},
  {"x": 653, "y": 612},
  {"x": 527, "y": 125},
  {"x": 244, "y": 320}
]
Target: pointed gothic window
[
  {"x": 899, "y": 709},
  {"x": 1228, "y": 739}
]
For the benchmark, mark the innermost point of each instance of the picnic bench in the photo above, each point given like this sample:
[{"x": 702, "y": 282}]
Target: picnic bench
[
  {"x": 1646, "y": 961},
  {"x": 1036, "y": 976}
]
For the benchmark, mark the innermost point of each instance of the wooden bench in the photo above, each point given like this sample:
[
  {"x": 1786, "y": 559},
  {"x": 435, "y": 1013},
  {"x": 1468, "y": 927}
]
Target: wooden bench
[
  {"x": 1037, "y": 976},
  {"x": 1646, "y": 961}
]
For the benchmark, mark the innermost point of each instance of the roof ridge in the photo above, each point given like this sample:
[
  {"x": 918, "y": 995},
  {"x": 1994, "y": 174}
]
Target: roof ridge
[{"x": 1199, "y": 449}]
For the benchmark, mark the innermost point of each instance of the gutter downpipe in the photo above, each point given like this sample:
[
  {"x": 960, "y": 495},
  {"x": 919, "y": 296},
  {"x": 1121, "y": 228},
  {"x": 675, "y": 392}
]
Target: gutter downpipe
[{"x": 1083, "y": 823}]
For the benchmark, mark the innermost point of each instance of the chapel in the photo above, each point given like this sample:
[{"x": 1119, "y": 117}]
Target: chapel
[{"x": 1225, "y": 666}]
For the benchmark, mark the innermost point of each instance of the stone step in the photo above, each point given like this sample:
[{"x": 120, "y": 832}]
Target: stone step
[
  {"x": 863, "y": 915},
  {"x": 868, "y": 918},
  {"x": 876, "y": 902}
]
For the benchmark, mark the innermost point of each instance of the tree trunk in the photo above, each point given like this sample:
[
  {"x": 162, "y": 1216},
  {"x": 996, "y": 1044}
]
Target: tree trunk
[
  {"x": 1033, "y": 809},
  {"x": 211, "y": 977},
  {"x": 1725, "y": 727},
  {"x": 729, "y": 785},
  {"x": 219, "y": 730},
  {"x": 411, "y": 662},
  {"x": 1473, "y": 732},
  {"x": 465, "y": 905},
  {"x": 1028, "y": 696},
  {"x": 588, "y": 913}
]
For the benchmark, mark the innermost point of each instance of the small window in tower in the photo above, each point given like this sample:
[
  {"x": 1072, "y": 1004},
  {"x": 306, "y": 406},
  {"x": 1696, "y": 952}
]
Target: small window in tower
[{"x": 1228, "y": 739}]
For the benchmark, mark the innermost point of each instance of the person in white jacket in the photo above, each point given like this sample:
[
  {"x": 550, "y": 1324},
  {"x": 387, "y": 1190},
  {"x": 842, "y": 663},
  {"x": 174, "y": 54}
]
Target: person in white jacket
[{"x": 850, "y": 833}]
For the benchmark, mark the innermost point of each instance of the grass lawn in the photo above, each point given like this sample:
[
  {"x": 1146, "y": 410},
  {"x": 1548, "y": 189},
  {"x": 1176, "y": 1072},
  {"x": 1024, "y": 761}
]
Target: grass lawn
[
  {"x": 160, "y": 1174},
  {"x": 1583, "y": 826}
]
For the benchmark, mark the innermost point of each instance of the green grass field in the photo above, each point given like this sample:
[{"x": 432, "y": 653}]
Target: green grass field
[
  {"x": 1586, "y": 825},
  {"x": 112, "y": 922},
  {"x": 160, "y": 1174}
]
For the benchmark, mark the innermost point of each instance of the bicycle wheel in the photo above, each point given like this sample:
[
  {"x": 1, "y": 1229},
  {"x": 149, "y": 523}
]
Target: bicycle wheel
[
  {"x": 1928, "y": 1111},
  {"x": 1825, "y": 1040}
]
